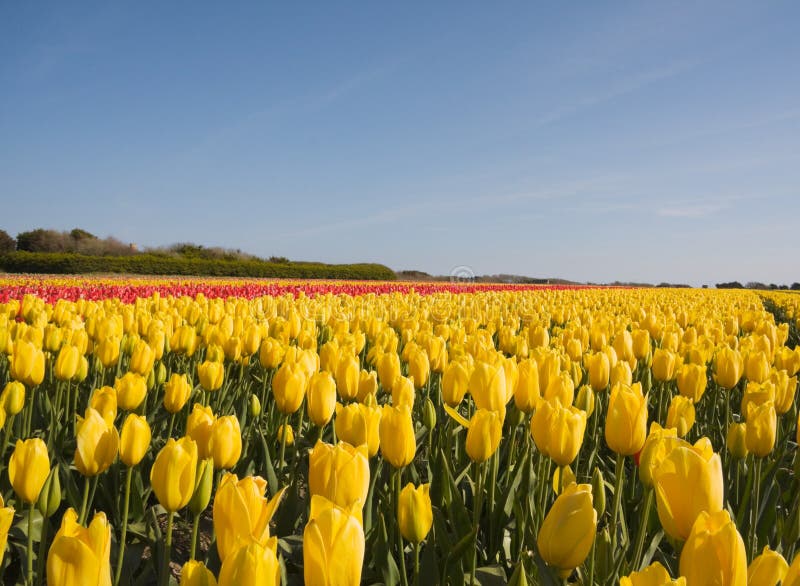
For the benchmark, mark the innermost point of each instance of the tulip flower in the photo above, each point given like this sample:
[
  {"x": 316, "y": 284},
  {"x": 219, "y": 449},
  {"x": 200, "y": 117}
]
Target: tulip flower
[
  {"x": 142, "y": 358},
  {"x": 455, "y": 382},
  {"x": 728, "y": 367},
  {"x": 359, "y": 424},
  {"x": 560, "y": 387},
  {"x": 558, "y": 431},
  {"x": 388, "y": 369},
  {"x": 242, "y": 513},
  {"x": 526, "y": 391},
  {"x": 253, "y": 563},
  {"x": 419, "y": 368},
  {"x": 621, "y": 374},
  {"x": 176, "y": 392},
  {"x": 173, "y": 473},
  {"x": 134, "y": 440},
  {"x": 398, "y": 443},
  {"x": 12, "y": 399},
  {"x": 339, "y": 473},
  {"x": 568, "y": 530},
  {"x": 692, "y": 381},
  {"x": 211, "y": 375},
  {"x": 653, "y": 575},
  {"x": 347, "y": 375},
  {"x": 98, "y": 444},
  {"x": 659, "y": 443},
  {"x": 104, "y": 401},
  {"x": 681, "y": 414},
  {"x": 414, "y": 512},
  {"x": 696, "y": 466},
  {"x": 289, "y": 387},
  {"x": 737, "y": 440},
  {"x": 80, "y": 555},
  {"x": 27, "y": 363},
  {"x": 626, "y": 420},
  {"x": 640, "y": 341},
  {"x": 198, "y": 427},
  {"x": 108, "y": 351},
  {"x": 333, "y": 545},
  {"x": 194, "y": 573},
  {"x": 793, "y": 574},
  {"x": 756, "y": 367},
  {"x": 321, "y": 401},
  {"x": 131, "y": 390},
  {"x": 484, "y": 435},
  {"x": 584, "y": 400},
  {"x": 665, "y": 365},
  {"x": 785, "y": 390},
  {"x": 714, "y": 552},
  {"x": 403, "y": 392},
  {"x": 67, "y": 362},
  {"x": 769, "y": 568},
  {"x": 761, "y": 429},
  {"x": 487, "y": 385},
  {"x": 225, "y": 442},
  {"x": 367, "y": 384},
  {"x": 271, "y": 353},
  {"x": 599, "y": 369},
  {"x": 6, "y": 518}
]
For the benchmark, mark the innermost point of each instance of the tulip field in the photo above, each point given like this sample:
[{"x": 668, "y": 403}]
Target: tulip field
[{"x": 165, "y": 431}]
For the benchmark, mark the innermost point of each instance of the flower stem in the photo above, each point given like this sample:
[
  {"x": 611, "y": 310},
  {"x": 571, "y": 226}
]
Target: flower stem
[
  {"x": 618, "y": 487},
  {"x": 648, "y": 504},
  {"x": 401, "y": 546},
  {"x": 164, "y": 578},
  {"x": 754, "y": 509},
  {"x": 85, "y": 502},
  {"x": 29, "y": 579},
  {"x": 42, "y": 551},
  {"x": 416, "y": 564},
  {"x": 195, "y": 526},
  {"x": 124, "y": 533},
  {"x": 283, "y": 443}
]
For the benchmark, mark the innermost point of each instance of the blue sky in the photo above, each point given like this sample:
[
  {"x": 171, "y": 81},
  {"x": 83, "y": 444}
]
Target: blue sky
[{"x": 648, "y": 141}]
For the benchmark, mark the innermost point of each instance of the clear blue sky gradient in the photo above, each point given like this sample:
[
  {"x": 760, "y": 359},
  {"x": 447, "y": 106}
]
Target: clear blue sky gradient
[{"x": 647, "y": 141}]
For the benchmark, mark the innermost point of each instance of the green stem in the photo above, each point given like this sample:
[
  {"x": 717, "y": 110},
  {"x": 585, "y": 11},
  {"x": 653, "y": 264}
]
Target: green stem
[
  {"x": 618, "y": 487},
  {"x": 124, "y": 534},
  {"x": 171, "y": 425},
  {"x": 42, "y": 551},
  {"x": 476, "y": 517},
  {"x": 416, "y": 564},
  {"x": 754, "y": 510},
  {"x": 283, "y": 443},
  {"x": 648, "y": 504},
  {"x": 29, "y": 579},
  {"x": 195, "y": 526},
  {"x": 397, "y": 481},
  {"x": 85, "y": 502},
  {"x": 590, "y": 581},
  {"x": 164, "y": 578}
]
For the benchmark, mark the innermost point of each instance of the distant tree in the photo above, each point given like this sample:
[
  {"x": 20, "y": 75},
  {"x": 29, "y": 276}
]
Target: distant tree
[
  {"x": 7, "y": 243},
  {"x": 730, "y": 285},
  {"x": 41, "y": 240},
  {"x": 795, "y": 286},
  {"x": 80, "y": 234}
]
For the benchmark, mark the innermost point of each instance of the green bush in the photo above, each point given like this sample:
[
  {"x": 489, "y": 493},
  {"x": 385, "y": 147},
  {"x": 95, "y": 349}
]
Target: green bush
[{"x": 150, "y": 264}]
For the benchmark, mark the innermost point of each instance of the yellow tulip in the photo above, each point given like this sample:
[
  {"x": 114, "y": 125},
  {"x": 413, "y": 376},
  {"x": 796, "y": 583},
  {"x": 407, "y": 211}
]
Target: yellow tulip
[
  {"x": 568, "y": 530},
  {"x": 793, "y": 574},
  {"x": 756, "y": 367},
  {"x": 98, "y": 444},
  {"x": 142, "y": 358},
  {"x": 640, "y": 340},
  {"x": 367, "y": 384},
  {"x": 388, "y": 369},
  {"x": 271, "y": 353},
  {"x": 653, "y": 575},
  {"x": 455, "y": 382},
  {"x": 28, "y": 468},
  {"x": 681, "y": 414},
  {"x": 484, "y": 435},
  {"x": 626, "y": 419},
  {"x": 285, "y": 429},
  {"x": 526, "y": 391},
  {"x": 736, "y": 441},
  {"x": 657, "y": 446},
  {"x": 785, "y": 390},
  {"x": 198, "y": 427},
  {"x": 176, "y": 392},
  {"x": 756, "y": 394},
  {"x": 621, "y": 374},
  {"x": 67, "y": 362},
  {"x": 347, "y": 375},
  {"x": 768, "y": 569},
  {"x": 487, "y": 385},
  {"x": 225, "y": 442},
  {"x": 12, "y": 399},
  {"x": 339, "y": 473},
  {"x": 665, "y": 365},
  {"x": 403, "y": 392},
  {"x": 359, "y": 424},
  {"x": 714, "y": 552},
  {"x": 419, "y": 368},
  {"x": 6, "y": 518},
  {"x": 696, "y": 466},
  {"x": 173, "y": 473},
  {"x": 599, "y": 369},
  {"x": 131, "y": 390},
  {"x": 558, "y": 431},
  {"x": 397, "y": 440},
  {"x": 195, "y": 573},
  {"x": 134, "y": 440},
  {"x": 692, "y": 381},
  {"x": 761, "y": 429},
  {"x": 321, "y": 401},
  {"x": 414, "y": 512},
  {"x": 27, "y": 363},
  {"x": 242, "y": 513},
  {"x": 728, "y": 367},
  {"x": 333, "y": 545},
  {"x": 80, "y": 555},
  {"x": 560, "y": 387},
  {"x": 253, "y": 563},
  {"x": 585, "y": 400},
  {"x": 211, "y": 375},
  {"x": 104, "y": 401}
]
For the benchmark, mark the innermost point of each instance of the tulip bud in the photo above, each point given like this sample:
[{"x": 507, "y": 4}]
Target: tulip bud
[
  {"x": 176, "y": 392},
  {"x": 204, "y": 486},
  {"x": 585, "y": 400},
  {"x": 173, "y": 473},
  {"x": 484, "y": 435},
  {"x": 414, "y": 512},
  {"x": 598, "y": 492},
  {"x": 13, "y": 397},
  {"x": 769, "y": 568},
  {"x": 681, "y": 414},
  {"x": 736, "y": 441},
  {"x": 255, "y": 406},
  {"x": 211, "y": 375},
  {"x": 568, "y": 530},
  {"x": 134, "y": 440},
  {"x": 50, "y": 495},
  {"x": 225, "y": 443},
  {"x": 28, "y": 468},
  {"x": 195, "y": 573},
  {"x": 161, "y": 373},
  {"x": 429, "y": 414},
  {"x": 288, "y": 432}
]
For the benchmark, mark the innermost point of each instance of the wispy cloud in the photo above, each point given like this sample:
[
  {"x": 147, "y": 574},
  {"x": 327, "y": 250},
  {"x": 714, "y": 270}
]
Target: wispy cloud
[{"x": 690, "y": 211}]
